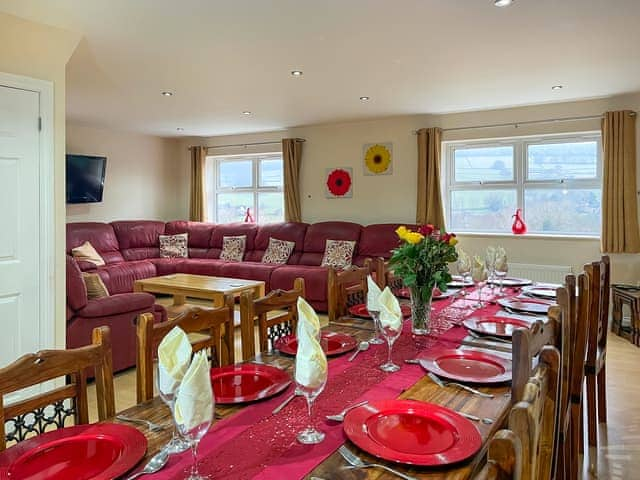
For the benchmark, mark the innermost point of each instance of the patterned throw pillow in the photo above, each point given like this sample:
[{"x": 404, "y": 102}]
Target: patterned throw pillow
[
  {"x": 174, "y": 246},
  {"x": 95, "y": 286},
  {"x": 278, "y": 251},
  {"x": 338, "y": 253},
  {"x": 233, "y": 248}
]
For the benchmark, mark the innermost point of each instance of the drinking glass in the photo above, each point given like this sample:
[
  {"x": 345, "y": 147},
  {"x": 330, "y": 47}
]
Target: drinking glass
[
  {"x": 376, "y": 340},
  {"x": 502, "y": 269},
  {"x": 310, "y": 435},
  {"x": 490, "y": 265},
  {"x": 479, "y": 277},
  {"x": 463, "y": 265},
  {"x": 193, "y": 434},
  {"x": 390, "y": 335},
  {"x": 176, "y": 444}
]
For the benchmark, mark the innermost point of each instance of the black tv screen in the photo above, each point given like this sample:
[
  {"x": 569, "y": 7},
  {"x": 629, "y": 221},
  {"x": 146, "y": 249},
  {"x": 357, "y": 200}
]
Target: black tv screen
[{"x": 85, "y": 178}]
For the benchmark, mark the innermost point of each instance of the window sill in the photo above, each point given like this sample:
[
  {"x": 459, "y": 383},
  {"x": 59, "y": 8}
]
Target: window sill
[{"x": 533, "y": 236}]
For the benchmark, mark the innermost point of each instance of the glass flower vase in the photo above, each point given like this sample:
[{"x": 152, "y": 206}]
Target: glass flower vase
[{"x": 421, "y": 310}]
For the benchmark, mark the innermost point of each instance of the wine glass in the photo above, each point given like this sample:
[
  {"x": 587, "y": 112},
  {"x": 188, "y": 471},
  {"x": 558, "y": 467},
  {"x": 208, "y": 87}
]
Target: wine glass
[
  {"x": 176, "y": 444},
  {"x": 391, "y": 335},
  {"x": 194, "y": 433},
  {"x": 479, "y": 277},
  {"x": 463, "y": 266},
  {"x": 376, "y": 340},
  {"x": 502, "y": 269},
  {"x": 490, "y": 265},
  {"x": 310, "y": 435}
]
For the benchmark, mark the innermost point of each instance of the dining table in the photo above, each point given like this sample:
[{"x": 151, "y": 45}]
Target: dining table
[{"x": 248, "y": 441}]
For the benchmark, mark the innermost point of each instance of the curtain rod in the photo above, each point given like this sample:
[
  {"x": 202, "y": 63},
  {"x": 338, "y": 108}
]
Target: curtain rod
[
  {"x": 245, "y": 145},
  {"x": 528, "y": 122}
]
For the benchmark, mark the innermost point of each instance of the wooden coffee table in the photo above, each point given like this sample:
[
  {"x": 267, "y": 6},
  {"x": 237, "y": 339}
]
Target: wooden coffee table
[{"x": 182, "y": 285}]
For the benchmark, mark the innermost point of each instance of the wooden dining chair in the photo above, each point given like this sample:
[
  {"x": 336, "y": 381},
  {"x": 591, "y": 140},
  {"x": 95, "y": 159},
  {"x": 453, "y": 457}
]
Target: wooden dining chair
[
  {"x": 208, "y": 328},
  {"x": 595, "y": 369},
  {"x": 504, "y": 458},
  {"x": 276, "y": 315},
  {"x": 347, "y": 288},
  {"x": 51, "y": 409}
]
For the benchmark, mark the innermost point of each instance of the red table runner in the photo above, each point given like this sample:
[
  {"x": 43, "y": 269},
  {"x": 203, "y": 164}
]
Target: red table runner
[{"x": 254, "y": 444}]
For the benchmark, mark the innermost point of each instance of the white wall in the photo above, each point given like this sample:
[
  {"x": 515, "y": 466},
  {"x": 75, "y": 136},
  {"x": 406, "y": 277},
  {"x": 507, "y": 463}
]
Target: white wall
[
  {"x": 142, "y": 177},
  {"x": 392, "y": 198}
]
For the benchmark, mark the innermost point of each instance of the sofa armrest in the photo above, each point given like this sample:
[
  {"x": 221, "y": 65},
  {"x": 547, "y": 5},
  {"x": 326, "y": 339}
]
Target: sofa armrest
[{"x": 117, "y": 304}]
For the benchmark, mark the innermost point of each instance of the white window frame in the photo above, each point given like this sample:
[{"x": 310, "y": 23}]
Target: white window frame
[{"x": 520, "y": 181}]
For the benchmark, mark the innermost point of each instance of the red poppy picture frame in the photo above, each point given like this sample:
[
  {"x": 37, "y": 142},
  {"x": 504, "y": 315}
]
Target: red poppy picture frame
[{"x": 339, "y": 182}]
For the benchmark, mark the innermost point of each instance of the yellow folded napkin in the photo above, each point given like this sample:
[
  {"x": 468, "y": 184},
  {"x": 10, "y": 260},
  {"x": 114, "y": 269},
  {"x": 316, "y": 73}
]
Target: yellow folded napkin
[
  {"x": 174, "y": 355},
  {"x": 194, "y": 402},
  {"x": 501, "y": 260},
  {"x": 373, "y": 293},
  {"x": 311, "y": 362},
  {"x": 478, "y": 272},
  {"x": 390, "y": 313}
]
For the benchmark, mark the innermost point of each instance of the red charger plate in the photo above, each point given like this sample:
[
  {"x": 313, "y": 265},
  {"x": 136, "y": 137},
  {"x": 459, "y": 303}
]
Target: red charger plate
[
  {"x": 247, "y": 382},
  {"x": 412, "y": 432},
  {"x": 361, "y": 311},
  {"x": 530, "y": 306},
  {"x": 495, "y": 325},
  {"x": 100, "y": 451},
  {"x": 469, "y": 366},
  {"x": 332, "y": 343}
]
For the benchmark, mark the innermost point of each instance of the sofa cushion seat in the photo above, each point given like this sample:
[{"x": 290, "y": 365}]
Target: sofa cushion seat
[
  {"x": 315, "y": 280},
  {"x": 201, "y": 266},
  {"x": 117, "y": 304},
  {"x": 250, "y": 271},
  {"x": 119, "y": 278},
  {"x": 168, "y": 266}
]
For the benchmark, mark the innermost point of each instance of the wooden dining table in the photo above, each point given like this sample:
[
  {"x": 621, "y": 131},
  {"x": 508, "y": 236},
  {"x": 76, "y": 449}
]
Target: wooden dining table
[{"x": 425, "y": 390}]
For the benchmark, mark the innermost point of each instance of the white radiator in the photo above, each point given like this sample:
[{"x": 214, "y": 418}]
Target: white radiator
[{"x": 540, "y": 273}]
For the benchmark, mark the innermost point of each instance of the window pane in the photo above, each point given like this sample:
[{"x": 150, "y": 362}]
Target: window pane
[
  {"x": 553, "y": 161},
  {"x": 237, "y": 173},
  {"x": 271, "y": 172},
  {"x": 232, "y": 207},
  {"x": 483, "y": 164},
  {"x": 270, "y": 207},
  {"x": 482, "y": 210},
  {"x": 563, "y": 211}
]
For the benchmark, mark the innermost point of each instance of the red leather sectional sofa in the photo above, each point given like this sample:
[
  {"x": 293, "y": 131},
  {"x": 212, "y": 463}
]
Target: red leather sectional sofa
[{"x": 131, "y": 251}]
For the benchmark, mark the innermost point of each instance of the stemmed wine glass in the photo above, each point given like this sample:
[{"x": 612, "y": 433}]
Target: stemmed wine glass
[
  {"x": 479, "y": 277},
  {"x": 490, "y": 265},
  {"x": 176, "y": 444},
  {"x": 463, "y": 265},
  {"x": 502, "y": 269},
  {"x": 310, "y": 435},
  {"x": 194, "y": 433},
  {"x": 391, "y": 335},
  {"x": 376, "y": 340}
]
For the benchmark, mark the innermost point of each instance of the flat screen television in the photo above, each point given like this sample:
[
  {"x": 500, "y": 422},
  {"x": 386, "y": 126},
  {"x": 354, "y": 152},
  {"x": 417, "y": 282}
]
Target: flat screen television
[{"x": 85, "y": 178}]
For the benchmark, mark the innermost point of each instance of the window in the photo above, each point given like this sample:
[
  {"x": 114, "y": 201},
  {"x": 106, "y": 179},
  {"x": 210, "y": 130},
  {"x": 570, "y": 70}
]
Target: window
[
  {"x": 556, "y": 181},
  {"x": 239, "y": 182}
]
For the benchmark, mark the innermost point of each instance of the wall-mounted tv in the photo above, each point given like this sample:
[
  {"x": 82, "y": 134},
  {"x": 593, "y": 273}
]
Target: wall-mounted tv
[{"x": 85, "y": 178}]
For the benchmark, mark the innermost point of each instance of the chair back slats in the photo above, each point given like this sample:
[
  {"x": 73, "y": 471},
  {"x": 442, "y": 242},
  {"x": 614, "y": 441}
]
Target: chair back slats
[
  {"x": 49, "y": 409},
  {"x": 504, "y": 458},
  {"x": 276, "y": 314},
  {"x": 216, "y": 324},
  {"x": 346, "y": 288}
]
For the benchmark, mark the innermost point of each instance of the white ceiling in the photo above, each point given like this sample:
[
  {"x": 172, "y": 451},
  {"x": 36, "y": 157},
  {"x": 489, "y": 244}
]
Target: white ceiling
[{"x": 222, "y": 57}]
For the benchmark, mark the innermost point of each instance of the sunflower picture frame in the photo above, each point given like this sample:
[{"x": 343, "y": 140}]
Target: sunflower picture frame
[
  {"x": 378, "y": 158},
  {"x": 339, "y": 182}
]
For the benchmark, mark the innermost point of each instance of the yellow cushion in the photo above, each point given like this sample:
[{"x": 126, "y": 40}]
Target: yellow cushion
[
  {"x": 87, "y": 253},
  {"x": 95, "y": 286}
]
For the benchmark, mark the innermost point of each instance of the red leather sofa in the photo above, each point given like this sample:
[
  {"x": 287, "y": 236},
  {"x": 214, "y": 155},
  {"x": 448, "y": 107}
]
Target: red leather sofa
[{"x": 131, "y": 251}]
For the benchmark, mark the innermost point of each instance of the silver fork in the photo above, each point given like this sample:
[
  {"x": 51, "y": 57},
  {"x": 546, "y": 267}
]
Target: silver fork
[
  {"x": 153, "y": 427},
  {"x": 356, "y": 462},
  {"x": 437, "y": 380},
  {"x": 340, "y": 416}
]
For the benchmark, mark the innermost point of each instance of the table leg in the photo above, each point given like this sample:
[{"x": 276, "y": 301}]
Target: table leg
[
  {"x": 616, "y": 316},
  {"x": 179, "y": 300},
  {"x": 259, "y": 291},
  {"x": 218, "y": 301}
]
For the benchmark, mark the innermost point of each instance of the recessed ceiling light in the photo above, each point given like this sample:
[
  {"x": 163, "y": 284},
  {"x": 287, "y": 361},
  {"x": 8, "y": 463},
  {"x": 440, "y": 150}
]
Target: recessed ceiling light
[
  {"x": 180, "y": 129},
  {"x": 502, "y": 3},
  {"x": 246, "y": 112},
  {"x": 296, "y": 73},
  {"x": 557, "y": 87},
  {"x": 365, "y": 99},
  {"x": 167, "y": 94}
]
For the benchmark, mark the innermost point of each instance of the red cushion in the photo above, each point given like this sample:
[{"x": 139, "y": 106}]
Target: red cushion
[
  {"x": 199, "y": 233},
  {"x": 316, "y": 237},
  {"x": 288, "y": 231},
  {"x": 168, "y": 266},
  {"x": 116, "y": 304},
  {"x": 249, "y": 271},
  {"x": 76, "y": 288},
  {"x": 315, "y": 280},
  {"x": 201, "y": 266},
  {"x": 138, "y": 239},
  {"x": 100, "y": 235},
  {"x": 121, "y": 277}
]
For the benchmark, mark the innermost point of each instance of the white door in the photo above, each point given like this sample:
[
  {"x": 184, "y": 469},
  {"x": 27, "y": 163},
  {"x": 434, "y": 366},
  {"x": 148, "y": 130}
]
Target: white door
[{"x": 20, "y": 275}]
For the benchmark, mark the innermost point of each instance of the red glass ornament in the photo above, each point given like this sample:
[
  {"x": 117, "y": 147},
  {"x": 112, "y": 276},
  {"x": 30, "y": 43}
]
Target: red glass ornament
[
  {"x": 248, "y": 218},
  {"x": 518, "y": 227}
]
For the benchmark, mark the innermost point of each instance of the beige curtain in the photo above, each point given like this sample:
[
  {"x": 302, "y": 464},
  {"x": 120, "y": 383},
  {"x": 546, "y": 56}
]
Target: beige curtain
[
  {"x": 198, "y": 201},
  {"x": 429, "y": 198},
  {"x": 619, "y": 197},
  {"x": 292, "y": 158}
]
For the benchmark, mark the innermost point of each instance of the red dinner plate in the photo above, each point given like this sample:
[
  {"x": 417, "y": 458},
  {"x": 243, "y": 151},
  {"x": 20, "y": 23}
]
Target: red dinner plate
[
  {"x": 247, "y": 382},
  {"x": 495, "y": 325},
  {"x": 469, "y": 366},
  {"x": 361, "y": 311},
  {"x": 99, "y": 452},
  {"x": 511, "y": 282},
  {"x": 408, "y": 431},
  {"x": 530, "y": 306},
  {"x": 332, "y": 343}
]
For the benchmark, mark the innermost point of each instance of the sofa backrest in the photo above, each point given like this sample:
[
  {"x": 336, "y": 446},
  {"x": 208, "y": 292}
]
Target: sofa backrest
[
  {"x": 232, "y": 230},
  {"x": 199, "y": 236},
  {"x": 317, "y": 235},
  {"x": 100, "y": 235},
  {"x": 76, "y": 288},
  {"x": 288, "y": 231},
  {"x": 138, "y": 239},
  {"x": 378, "y": 240}
]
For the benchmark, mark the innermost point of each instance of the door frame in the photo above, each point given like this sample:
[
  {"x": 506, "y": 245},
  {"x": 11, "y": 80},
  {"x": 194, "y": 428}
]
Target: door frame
[{"x": 47, "y": 200}]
